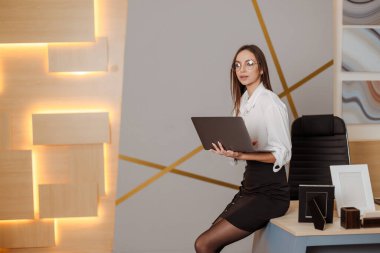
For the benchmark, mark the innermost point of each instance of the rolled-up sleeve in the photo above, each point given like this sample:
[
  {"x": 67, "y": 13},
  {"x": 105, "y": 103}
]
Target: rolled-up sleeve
[{"x": 277, "y": 122}]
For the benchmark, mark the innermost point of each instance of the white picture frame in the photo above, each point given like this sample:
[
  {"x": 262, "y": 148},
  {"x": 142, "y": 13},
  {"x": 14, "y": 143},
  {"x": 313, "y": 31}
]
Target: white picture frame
[{"x": 352, "y": 187}]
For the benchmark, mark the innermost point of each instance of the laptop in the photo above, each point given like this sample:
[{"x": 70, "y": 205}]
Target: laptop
[{"x": 230, "y": 131}]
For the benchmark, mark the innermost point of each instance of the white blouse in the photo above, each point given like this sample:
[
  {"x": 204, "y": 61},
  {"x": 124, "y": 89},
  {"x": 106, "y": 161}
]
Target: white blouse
[{"x": 267, "y": 122}]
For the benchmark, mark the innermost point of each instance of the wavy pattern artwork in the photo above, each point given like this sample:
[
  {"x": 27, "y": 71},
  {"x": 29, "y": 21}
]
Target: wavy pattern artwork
[
  {"x": 361, "y": 49},
  {"x": 361, "y": 12},
  {"x": 361, "y": 102}
]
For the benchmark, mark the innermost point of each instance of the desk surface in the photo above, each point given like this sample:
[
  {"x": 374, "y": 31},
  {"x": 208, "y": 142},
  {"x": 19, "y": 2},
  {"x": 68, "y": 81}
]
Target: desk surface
[{"x": 289, "y": 222}]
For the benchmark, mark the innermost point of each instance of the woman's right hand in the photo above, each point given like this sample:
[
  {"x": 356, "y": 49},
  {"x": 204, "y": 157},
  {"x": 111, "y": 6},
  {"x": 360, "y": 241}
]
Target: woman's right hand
[{"x": 219, "y": 149}]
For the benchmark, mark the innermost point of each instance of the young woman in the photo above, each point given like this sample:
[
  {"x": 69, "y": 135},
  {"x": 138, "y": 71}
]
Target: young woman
[{"x": 264, "y": 192}]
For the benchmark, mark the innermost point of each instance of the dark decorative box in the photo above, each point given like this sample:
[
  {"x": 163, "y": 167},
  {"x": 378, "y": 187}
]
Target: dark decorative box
[
  {"x": 350, "y": 217},
  {"x": 372, "y": 222}
]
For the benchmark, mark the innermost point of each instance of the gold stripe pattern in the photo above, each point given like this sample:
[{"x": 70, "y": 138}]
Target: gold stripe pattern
[
  {"x": 179, "y": 172},
  {"x": 171, "y": 168},
  {"x": 158, "y": 175},
  {"x": 307, "y": 78},
  {"x": 275, "y": 58}
]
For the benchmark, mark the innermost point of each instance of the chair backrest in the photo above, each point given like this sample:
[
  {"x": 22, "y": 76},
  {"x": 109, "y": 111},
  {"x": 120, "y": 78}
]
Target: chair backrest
[{"x": 318, "y": 141}]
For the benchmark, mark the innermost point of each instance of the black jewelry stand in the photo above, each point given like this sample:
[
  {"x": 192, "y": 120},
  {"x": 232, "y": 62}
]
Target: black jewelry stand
[{"x": 317, "y": 216}]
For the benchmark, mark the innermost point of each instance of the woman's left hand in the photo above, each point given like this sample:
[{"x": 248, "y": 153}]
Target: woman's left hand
[{"x": 218, "y": 149}]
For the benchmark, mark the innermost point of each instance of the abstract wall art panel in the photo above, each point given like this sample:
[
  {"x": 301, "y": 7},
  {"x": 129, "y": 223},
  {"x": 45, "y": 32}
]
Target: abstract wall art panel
[
  {"x": 361, "y": 12},
  {"x": 361, "y": 50},
  {"x": 361, "y": 102}
]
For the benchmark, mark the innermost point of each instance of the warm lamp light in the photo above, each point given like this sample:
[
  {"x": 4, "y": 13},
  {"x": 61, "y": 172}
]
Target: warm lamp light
[
  {"x": 99, "y": 7},
  {"x": 1, "y": 78},
  {"x": 23, "y": 45},
  {"x": 79, "y": 73},
  {"x": 20, "y": 222},
  {"x": 76, "y": 222},
  {"x": 57, "y": 237},
  {"x": 36, "y": 201},
  {"x": 58, "y": 109},
  {"x": 106, "y": 148},
  {"x": 52, "y": 108}
]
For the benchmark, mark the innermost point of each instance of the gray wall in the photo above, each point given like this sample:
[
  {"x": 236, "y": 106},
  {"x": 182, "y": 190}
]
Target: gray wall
[{"x": 177, "y": 60}]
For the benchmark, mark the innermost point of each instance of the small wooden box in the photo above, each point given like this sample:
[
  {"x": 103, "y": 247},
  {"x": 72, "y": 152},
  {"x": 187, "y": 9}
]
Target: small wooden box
[
  {"x": 371, "y": 222},
  {"x": 350, "y": 217}
]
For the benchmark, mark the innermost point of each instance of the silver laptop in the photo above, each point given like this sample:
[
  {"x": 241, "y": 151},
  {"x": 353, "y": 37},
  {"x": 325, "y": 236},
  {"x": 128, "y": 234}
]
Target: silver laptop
[{"x": 230, "y": 131}]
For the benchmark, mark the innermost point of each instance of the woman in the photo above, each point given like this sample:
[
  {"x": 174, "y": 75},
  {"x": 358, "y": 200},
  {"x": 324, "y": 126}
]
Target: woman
[{"x": 264, "y": 192}]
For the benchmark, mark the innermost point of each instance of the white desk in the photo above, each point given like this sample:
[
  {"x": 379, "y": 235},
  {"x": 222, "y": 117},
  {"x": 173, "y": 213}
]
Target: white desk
[{"x": 287, "y": 235}]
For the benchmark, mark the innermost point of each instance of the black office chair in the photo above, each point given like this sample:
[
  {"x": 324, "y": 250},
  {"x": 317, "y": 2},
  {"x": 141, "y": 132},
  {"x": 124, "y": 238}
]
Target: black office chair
[{"x": 318, "y": 141}]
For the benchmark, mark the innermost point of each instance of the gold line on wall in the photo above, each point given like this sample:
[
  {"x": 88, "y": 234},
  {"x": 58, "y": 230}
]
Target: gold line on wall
[
  {"x": 158, "y": 175},
  {"x": 214, "y": 181},
  {"x": 178, "y": 172},
  {"x": 274, "y": 56},
  {"x": 307, "y": 78}
]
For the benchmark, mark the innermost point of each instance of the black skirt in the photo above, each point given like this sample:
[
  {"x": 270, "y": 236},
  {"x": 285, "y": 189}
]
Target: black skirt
[{"x": 263, "y": 195}]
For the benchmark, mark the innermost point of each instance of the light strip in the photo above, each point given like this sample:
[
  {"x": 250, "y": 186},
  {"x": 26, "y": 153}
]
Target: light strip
[
  {"x": 97, "y": 17},
  {"x": 36, "y": 199},
  {"x": 22, "y": 45},
  {"x": 158, "y": 175},
  {"x": 1, "y": 77}
]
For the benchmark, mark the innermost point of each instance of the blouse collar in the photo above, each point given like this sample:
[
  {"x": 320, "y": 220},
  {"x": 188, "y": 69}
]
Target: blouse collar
[{"x": 249, "y": 102}]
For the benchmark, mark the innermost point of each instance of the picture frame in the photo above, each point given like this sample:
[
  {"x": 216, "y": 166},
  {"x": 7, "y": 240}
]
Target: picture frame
[
  {"x": 352, "y": 187},
  {"x": 324, "y": 197}
]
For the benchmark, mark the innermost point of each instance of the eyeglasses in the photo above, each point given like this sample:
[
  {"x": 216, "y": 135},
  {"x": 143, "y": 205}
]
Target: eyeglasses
[{"x": 249, "y": 64}]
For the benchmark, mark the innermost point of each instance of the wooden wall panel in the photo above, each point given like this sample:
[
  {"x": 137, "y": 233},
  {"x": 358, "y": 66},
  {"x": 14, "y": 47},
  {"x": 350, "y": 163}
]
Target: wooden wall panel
[
  {"x": 27, "y": 234},
  {"x": 27, "y": 87},
  {"x": 28, "y": 21},
  {"x": 71, "y": 164},
  {"x": 367, "y": 152},
  {"x": 70, "y": 128},
  {"x": 16, "y": 185},
  {"x": 79, "y": 56},
  {"x": 5, "y": 132},
  {"x": 68, "y": 200}
]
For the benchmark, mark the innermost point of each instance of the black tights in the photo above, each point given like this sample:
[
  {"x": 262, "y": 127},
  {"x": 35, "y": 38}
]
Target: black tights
[{"x": 219, "y": 235}]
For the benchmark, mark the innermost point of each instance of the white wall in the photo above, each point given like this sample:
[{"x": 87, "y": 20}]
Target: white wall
[{"x": 177, "y": 60}]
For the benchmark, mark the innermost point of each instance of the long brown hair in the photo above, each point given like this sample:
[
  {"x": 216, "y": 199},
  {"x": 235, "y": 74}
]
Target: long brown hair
[{"x": 237, "y": 89}]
